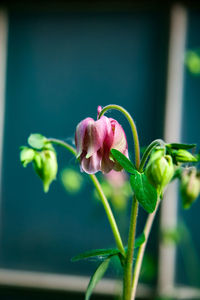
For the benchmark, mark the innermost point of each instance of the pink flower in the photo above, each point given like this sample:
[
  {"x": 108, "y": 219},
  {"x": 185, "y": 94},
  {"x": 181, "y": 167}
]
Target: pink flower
[
  {"x": 95, "y": 139},
  {"x": 116, "y": 179}
]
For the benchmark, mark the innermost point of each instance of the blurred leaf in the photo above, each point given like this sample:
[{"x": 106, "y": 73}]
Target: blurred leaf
[
  {"x": 171, "y": 236},
  {"x": 123, "y": 160},
  {"x": 177, "y": 173},
  {"x": 192, "y": 61},
  {"x": 139, "y": 240},
  {"x": 71, "y": 180},
  {"x": 96, "y": 252},
  {"x": 145, "y": 193},
  {"x": 100, "y": 271},
  {"x": 37, "y": 141},
  {"x": 148, "y": 270},
  {"x": 181, "y": 146}
]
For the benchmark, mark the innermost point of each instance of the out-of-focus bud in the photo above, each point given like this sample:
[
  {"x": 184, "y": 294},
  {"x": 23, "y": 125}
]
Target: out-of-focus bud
[
  {"x": 26, "y": 156},
  {"x": 182, "y": 155},
  {"x": 160, "y": 169},
  {"x": 45, "y": 164},
  {"x": 71, "y": 180},
  {"x": 190, "y": 187}
]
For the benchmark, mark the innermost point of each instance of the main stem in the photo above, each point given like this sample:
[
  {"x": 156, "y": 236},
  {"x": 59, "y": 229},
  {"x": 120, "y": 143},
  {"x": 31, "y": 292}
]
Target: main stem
[
  {"x": 128, "y": 266},
  {"x": 102, "y": 196},
  {"x": 127, "y": 280}
]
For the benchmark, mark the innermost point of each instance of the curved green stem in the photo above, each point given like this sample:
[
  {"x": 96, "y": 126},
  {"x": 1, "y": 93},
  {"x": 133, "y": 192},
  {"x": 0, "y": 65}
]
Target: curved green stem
[
  {"x": 63, "y": 144},
  {"x": 148, "y": 151},
  {"x": 140, "y": 254},
  {"x": 134, "y": 210},
  {"x": 102, "y": 197},
  {"x": 133, "y": 128}
]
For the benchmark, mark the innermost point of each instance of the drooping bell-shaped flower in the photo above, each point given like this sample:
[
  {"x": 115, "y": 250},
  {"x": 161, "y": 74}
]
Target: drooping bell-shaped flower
[{"x": 95, "y": 139}]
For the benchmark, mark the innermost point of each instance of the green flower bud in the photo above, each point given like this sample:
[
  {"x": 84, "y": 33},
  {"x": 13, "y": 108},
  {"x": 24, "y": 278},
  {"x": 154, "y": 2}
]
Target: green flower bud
[
  {"x": 182, "y": 155},
  {"x": 26, "y": 156},
  {"x": 45, "y": 164},
  {"x": 160, "y": 170},
  {"x": 190, "y": 188}
]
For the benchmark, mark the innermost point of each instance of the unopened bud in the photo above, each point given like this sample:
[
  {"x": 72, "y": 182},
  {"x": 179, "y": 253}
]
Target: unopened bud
[
  {"x": 45, "y": 164},
  {"x": 26, "y": 156},
  {"x": 190, "y": 188},
  {"x": 160, "y": 170},
  {"x": 182, "y": 155}
]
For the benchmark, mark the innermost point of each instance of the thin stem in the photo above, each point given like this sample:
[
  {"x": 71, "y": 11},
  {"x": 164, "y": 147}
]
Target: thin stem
[
  {"x": 133, "y": 128},
  {"x": 148, "y": 151},
  {"x": 102, "y": 197},
  {"x": 109, "y": 214},
  {"x": 63, "y": 144},
  {"x": 129, "y": 258},
  {"x": 134, "y": 210},
  {"x": 141, "y": 250}
]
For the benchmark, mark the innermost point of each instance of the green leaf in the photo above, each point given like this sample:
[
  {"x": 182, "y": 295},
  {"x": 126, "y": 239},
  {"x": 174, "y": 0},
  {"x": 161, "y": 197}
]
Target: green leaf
[
  {"x": 96, "y": 277},
  {"x": 145, "y": 193},
  {"x": 139, "y": 240},
  {"x": 181, "y": 146},
  {"x": 96, "y": 252},
  {"x": 123, "y": 160},
  {"x": 37, "y": 141}
]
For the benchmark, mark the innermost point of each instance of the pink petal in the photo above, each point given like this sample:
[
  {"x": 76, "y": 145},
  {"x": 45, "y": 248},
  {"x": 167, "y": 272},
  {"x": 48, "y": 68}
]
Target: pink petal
[
  {"x": 91, "y": 165},
  {"x": 119, "y": 140},
  {"x": 106, "y": 164},
  {"x": 95, "y": 135},
  {"x": 116, "y": 179},
  {"x": 80, "y": 134}
]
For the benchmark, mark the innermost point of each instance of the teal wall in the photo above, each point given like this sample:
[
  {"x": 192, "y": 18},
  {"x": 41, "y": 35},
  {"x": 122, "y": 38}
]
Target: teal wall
[
  {"x": 60, "y": 67},
  {"x": 188, "y": 258}
]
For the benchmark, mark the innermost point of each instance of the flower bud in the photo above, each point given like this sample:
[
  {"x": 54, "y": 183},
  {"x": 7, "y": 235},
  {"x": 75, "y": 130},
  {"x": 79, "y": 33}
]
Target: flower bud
[
  {"x": 45, "y": 164},
  {"x": 160, "y": 169},
  {"x": 190, "y": 188},
  {"x": 182, "y": 155},
  {"x": 26, "y": 156}
]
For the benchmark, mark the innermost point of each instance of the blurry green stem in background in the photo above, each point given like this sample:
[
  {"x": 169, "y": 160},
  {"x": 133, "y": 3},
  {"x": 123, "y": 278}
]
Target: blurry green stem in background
[
  {"x": 102, "y": 196},
  {"x": 140, "y": 255}
]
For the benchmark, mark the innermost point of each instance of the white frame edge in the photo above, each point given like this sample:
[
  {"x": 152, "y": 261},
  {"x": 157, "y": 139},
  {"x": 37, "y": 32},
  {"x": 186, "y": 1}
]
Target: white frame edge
[
  {"x": 172, "y": 133},
  {"x": 3, "y": 61}
]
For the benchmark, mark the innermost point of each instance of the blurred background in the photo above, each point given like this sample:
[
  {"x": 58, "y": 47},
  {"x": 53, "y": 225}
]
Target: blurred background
[{"x": 59, "y": 60}]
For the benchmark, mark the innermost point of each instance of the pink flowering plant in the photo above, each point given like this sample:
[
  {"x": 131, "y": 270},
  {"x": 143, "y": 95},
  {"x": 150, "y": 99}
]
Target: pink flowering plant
[{"x": 101, "y": 146}]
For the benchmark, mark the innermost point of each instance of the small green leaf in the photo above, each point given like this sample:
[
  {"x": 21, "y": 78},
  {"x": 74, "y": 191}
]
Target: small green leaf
[
  {"x": 139, "y": 240},
  {"x": 181, "y": 146},
  {"x": 145, "y": 193},
  {"x": 96, "y": 277},
  {"x": 37, "y": 141},
  {"x": 96, "y": 252},
  {"x": 123, "y": 160}
]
